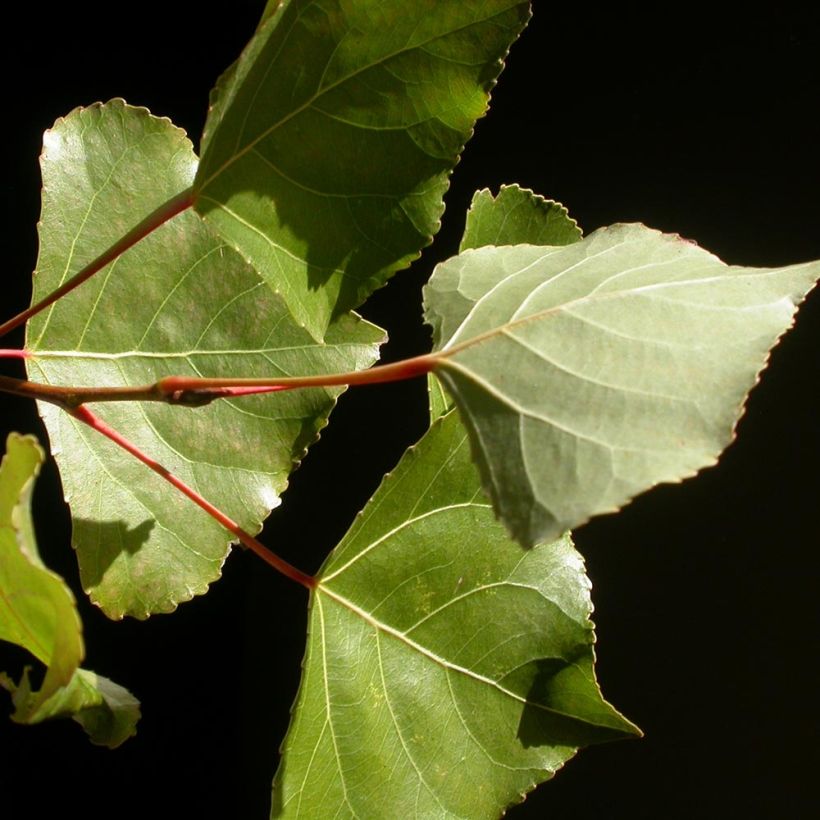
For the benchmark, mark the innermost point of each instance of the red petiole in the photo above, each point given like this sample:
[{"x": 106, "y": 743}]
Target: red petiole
[
  {"x": 176, "y": 205},
  {"x": 84, "y": 415}
]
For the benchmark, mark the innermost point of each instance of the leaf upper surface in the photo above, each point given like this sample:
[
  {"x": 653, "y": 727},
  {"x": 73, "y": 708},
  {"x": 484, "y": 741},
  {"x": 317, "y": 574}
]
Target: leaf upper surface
[
  {"x": 330, "y": 142},
  {"x": 587, "y": 374},
  {"x": 38, "y": 613},
  {"x": 180, "y": 302},
  {"x": 517, "y": 216},
  {"x": 448, "y": 670}
]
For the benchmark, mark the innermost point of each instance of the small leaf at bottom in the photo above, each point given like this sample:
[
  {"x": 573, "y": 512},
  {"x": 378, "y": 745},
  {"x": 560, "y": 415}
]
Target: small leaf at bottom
[{"x": 38, "y": 613}]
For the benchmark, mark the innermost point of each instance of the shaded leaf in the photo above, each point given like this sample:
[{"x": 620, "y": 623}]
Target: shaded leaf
[
  {"x": 517, "y": 216},
  {"x": 589, "y": 373},
  {"x": 38, "y": 613},
  {"x": 448, "y": 671},
  {"x": 395, "y": 88},
  {"x": 178, "y": 303}
]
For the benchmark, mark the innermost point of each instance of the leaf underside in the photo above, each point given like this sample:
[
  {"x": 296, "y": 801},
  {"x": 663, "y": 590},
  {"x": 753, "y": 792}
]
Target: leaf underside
[
  {"x": 448, "y": 670},
  {"x": 178, "y": 303},
  {"x": 38, "y": 613},
  {"x": 588, "y": 373},
  {"x": 514, "y": 216},
  {"x": 329, "y": 143}
]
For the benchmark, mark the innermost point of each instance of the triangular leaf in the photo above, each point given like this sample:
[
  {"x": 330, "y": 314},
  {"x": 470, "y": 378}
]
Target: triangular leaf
[
  {"x": 395, "y": 88},
  {"x": 589, "y": 373},
  {"x": 178, "y": 303},
  {"x": 448, "y": 671},
  {"x": 38, "y": 613}
]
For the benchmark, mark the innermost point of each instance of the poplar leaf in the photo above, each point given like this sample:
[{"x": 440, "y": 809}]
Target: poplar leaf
[
  {"x": 395, "y": 88},
  {"x": 180, "y": 302},
  {"x": 514, "y": 216},
  {"x": 448, "y": 670},
  {"x": 38, "y": 613},
  {"x": 588, "y": 373},
  {"x": 517, "y": 216}
]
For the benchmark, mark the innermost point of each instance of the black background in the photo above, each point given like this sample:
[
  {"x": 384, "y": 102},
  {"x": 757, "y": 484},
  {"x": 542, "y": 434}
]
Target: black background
[{"x": 705, "y": 594}]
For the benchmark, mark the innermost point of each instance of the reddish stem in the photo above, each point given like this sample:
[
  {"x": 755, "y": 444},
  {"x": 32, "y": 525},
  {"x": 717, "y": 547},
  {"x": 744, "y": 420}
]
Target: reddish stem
[
  {"x": 230, "y": 392},
  {"x": 6, "y": 353},
  {"x": 84, "y": 415},
  {"x": 154, "y": 220},
  {"x": 397, "y": 371},
  {"x": 197, "y": 392}
]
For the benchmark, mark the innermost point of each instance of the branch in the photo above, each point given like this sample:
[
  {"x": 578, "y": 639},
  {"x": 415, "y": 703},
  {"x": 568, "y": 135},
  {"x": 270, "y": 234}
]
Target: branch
[
  {"x": 192, "y": 392},
  {"x": 84, "y": 415},
  {"x": 154, "y": 220}
]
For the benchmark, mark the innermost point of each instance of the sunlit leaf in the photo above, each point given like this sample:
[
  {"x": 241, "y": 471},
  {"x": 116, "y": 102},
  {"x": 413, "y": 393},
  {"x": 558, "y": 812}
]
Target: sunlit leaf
[
  {"x": 448, "y": 670},
  {"x": 330, "y": 142},
  {"x": 38, "y": 613},
  {"x": 589, "y": 373},
  {"x": 179, "y": 303},
  {"x": 517, "y": 216}
]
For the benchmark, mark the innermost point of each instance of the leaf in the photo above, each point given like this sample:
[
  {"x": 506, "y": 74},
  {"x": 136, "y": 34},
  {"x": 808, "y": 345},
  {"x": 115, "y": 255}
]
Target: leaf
[
  {"x": 589, "y": 373},
  {"x": 178, "y": 303},
  {"x": 440, "y": 403},
  {"x": 395, "y": 89},
  {"x": 38, "y": 613},
  {"x": 517, "y": 216},
  {"x": 448, "y": 671}
]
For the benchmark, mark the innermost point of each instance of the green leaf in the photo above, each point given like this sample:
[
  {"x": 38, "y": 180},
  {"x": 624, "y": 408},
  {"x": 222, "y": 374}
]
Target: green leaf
[
  {"x": 178, "y": 303},
  {"x": 448, "y": 670},
  {"x": 589, "y": 373},
  {"x": 38, "y": 613},
  {"x": 37, "y": 609},
  {"x": 395, "y": 89},
  {"x": 517, "y": 216},
  {"x": 440, "y": 403}
]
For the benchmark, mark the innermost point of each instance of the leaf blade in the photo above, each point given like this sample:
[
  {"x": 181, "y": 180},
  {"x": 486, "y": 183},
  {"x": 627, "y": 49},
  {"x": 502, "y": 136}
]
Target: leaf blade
[
  {"x": 178, "y": 303},
  {"x": 396, "y": 90},
  {"x": 439, "y": 680},
  {"x": 602, "y": 368},
  {"x": 517, "y": 216},
  {"x": 38, "y": 613}
]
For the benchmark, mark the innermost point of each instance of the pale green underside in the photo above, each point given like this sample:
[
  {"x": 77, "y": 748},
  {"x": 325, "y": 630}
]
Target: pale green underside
[{"x": 588, "y": 373}]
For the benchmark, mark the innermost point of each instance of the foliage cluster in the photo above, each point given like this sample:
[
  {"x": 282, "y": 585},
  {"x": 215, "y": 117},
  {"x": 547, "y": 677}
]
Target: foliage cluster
[{"x": 583, "y": 370}]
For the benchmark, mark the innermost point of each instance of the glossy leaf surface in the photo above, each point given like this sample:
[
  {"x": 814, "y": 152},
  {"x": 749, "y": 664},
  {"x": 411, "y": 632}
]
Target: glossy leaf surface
[
  {"x": 179, "y": 303},
  {"x": 448, "y": 670},
  {"x": 589, "y": 373},
  {"x": 38, "y": 613},
  {"x": 330, "y": 142}
]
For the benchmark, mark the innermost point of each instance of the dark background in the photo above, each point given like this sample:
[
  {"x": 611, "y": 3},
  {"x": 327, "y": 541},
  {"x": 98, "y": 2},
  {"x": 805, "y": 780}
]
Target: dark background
[{"x": 705, "y": 594}]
